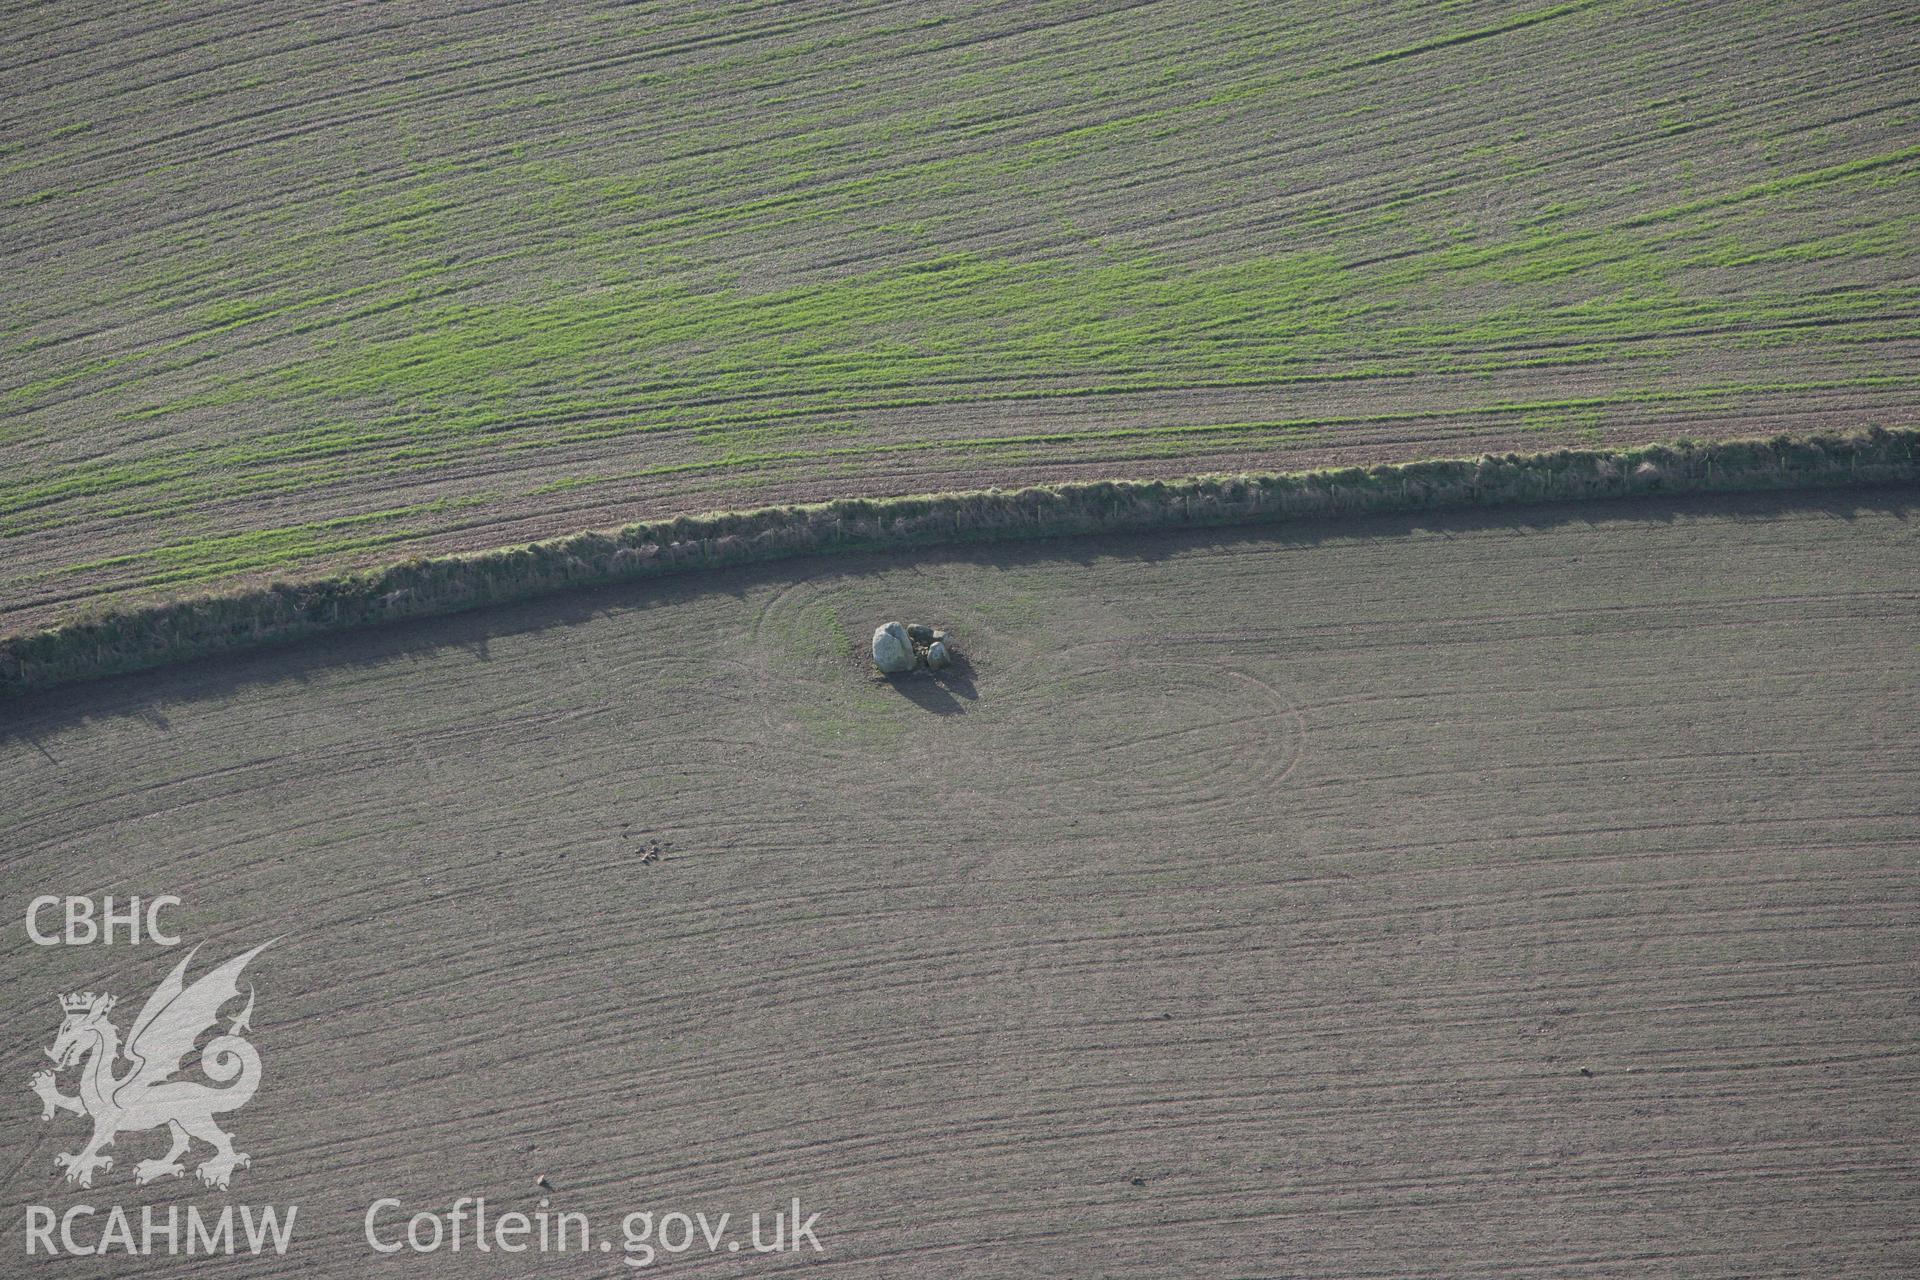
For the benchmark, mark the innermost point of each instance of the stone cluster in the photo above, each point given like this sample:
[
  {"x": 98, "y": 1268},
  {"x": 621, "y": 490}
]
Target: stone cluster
[{"x": 898, "y": 648}]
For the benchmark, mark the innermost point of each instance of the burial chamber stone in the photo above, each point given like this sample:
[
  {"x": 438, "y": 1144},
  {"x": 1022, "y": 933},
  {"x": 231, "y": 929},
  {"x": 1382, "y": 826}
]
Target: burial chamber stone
[{"x": 892, "y": 651}]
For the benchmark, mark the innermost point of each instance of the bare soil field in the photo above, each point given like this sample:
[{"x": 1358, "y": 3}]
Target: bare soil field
[
  {"x": 299, "y": 287},
  {"x": 1451, "y": 896}
]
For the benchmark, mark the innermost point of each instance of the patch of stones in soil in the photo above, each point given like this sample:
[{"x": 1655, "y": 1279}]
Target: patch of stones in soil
[{"x": 901, "y": 648}]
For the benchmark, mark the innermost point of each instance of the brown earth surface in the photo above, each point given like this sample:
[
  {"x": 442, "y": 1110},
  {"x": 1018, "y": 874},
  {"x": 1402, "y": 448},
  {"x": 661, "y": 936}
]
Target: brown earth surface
[
  {"x": 303, "y": 287},
  {"x": 1456, "y": 896}
]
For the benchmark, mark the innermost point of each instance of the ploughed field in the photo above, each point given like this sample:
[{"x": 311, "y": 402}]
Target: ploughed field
[
  {"x": 296, "y": 287},
  {"x": 1247, "y": 904}
]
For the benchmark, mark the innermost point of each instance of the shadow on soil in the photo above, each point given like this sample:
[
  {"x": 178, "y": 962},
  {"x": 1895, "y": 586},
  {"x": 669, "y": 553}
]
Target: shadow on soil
[
  {"x": 945, "y": 693},
  {"x": 148, "y": 695}
]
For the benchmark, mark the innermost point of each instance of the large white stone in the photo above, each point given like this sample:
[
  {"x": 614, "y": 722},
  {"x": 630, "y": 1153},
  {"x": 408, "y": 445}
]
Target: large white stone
[{"x": 892, "y": 651}]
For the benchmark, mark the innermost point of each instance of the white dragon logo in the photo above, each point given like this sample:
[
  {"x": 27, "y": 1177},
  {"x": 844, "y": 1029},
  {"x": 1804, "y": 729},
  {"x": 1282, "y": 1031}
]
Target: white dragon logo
[{"x": 143, "y": 1097}]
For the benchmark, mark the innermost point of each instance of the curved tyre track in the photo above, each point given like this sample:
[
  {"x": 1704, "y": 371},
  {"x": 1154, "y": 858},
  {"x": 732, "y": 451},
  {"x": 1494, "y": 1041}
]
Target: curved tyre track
[{"x": 1426, "y": 897}]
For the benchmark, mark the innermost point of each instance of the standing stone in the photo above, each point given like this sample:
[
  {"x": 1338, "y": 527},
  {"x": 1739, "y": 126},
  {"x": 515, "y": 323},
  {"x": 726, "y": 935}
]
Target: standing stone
[
  {"x": 892, "y": 651},
  {"x": 937, "y": 656}
]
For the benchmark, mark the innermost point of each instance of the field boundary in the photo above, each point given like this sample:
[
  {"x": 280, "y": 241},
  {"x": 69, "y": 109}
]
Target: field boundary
[{"x": 140, "y": 637}]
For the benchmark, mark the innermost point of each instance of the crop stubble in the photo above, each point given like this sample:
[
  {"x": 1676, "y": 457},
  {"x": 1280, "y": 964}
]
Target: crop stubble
[{"x": 1249, "y": 904}]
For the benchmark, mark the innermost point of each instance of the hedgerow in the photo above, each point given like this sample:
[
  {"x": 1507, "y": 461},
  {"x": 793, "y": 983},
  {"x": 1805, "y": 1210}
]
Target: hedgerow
[{"x": 146, "y": 636}]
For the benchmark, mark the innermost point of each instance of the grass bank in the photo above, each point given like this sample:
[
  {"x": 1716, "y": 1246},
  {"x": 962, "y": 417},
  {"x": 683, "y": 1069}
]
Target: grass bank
[{"x": 148, "y": 636}]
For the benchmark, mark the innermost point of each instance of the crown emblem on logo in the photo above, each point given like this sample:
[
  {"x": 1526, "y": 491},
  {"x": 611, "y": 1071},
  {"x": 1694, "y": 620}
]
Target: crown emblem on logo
[{"x": 180, "y": 1019}]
